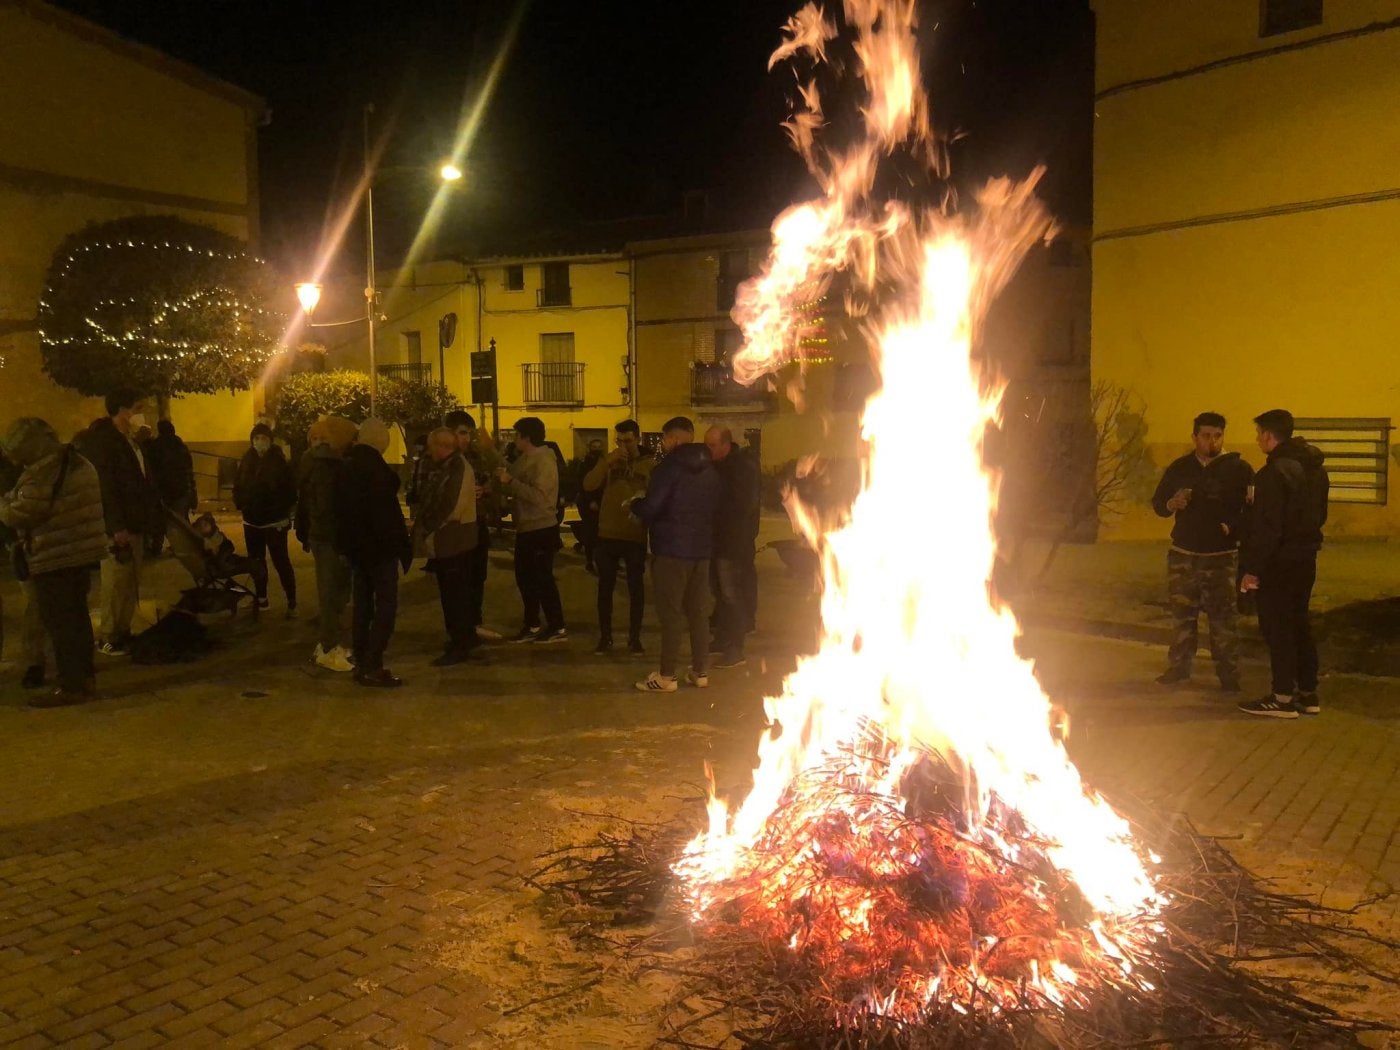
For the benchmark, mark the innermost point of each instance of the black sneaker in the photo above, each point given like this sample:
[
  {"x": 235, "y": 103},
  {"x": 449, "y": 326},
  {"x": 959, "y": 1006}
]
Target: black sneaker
[
  {"x": 730, "y": 660},
  {"x": 603, "y": 648},
  {"x": 550, "y": 635},
  {"x": 1173, "y": 675},
  {"x": 1307, "y": 703},
  {"x": 634, "y": 647},
  {"x": 1269, "y": 707},
  {"x": 527, "y": 634},
  {"x": 33, "y": 677},
  {"x": 1229, "y": 685}
]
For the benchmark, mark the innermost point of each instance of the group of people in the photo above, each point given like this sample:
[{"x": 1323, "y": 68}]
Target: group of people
[
  {"x": 104, "y": 502},
  {"x": 1241, "y": 535}
]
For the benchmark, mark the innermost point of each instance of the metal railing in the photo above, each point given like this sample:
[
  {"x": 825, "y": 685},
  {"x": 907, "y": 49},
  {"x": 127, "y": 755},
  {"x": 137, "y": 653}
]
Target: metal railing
[
  {"x": 554, "y": 296},
  {"x": 715, "y": 385},
  {"x": 553, "y": 383},
  {"x": 412, "y": 372}
]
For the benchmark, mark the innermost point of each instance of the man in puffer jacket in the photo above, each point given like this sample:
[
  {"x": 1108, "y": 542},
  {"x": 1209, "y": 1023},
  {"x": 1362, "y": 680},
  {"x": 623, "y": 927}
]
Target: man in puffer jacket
[
  {"x": 330, "y": 437},
  {"x": 679, "y": 510},
  {"x": 371, "y": 534},
  {"x": 56, "y": 507}
]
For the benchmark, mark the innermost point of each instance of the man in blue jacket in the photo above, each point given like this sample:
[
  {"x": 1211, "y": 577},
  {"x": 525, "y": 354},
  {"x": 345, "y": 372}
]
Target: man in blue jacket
[{"x": 679, "y": 511}]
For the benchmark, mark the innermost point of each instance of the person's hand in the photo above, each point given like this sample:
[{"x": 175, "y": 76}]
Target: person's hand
[
  {"x": 1248, "y": 582},
  {"x": 503, "y": 475},
  {"x": 617, "y": 455},
  {"x": 1178, "y": 501},
  {"x": 481, "y": 491},
  {"x": 121, "y": 538},
  {"x": 1225, "y": 528}
]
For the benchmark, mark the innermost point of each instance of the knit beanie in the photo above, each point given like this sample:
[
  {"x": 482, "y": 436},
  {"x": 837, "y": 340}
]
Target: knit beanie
[
  {"x": 375, "y": 434},
  {"x": 261, "y": 430}
]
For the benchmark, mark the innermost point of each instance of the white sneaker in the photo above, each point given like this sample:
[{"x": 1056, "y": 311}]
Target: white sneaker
[
  {"x": 487, "y": 634},
  {"x": 335, "y": 660},
  {"x": 699, "y": 679},
  {"x": 349, "y": 656},
  {"x": 656, "y": 682}
]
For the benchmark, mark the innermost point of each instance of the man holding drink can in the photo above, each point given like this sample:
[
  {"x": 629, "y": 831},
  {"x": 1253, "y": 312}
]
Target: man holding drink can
[{"x": 1205, "y": 491}]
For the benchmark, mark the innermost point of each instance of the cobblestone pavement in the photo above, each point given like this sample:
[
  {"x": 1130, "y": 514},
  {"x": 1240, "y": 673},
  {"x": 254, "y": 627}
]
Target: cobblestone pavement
[{"x": 252, "y": 852}]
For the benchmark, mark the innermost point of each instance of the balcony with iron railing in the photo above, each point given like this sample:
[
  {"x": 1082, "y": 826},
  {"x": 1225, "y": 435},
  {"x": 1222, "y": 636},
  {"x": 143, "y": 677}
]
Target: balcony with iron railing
[
  {"x": 554, "y": 295},
  {"x": 411, "y": 371},
  {"x": 553, "y": 383},
  {"x": 714, "y": 384}
]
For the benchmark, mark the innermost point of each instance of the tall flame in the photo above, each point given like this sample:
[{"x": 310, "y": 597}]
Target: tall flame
[{"x": 914, "y": 646}]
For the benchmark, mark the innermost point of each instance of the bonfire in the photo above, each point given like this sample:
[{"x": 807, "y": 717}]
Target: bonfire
[{"x": 918, "y": 861}]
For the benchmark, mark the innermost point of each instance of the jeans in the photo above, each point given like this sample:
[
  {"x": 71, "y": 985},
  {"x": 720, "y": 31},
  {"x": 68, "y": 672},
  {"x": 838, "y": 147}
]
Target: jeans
[
  {"x": 534, "y": 575},
  {"x": 1285, "y": 589},
  {"x": 332, "y": 591},
  {"x": 273, "y": 541},
  {"x": 454, "y": 592},
  {"x": 121, "y": 590},
  {"x": 608, "y": 555},
  {"x": 731, "y": 605},
  {"x": 376, "y": 597},
  {"x": 683, "y": 604},
  {"x": 62, "y": 598},
  {"x": 478, "y": 559}
]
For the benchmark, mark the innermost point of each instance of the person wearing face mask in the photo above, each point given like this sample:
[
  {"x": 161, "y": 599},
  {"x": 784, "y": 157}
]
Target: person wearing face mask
[
  {"x": 264, "y": 492},
  {"x": 131, "y": 510}
]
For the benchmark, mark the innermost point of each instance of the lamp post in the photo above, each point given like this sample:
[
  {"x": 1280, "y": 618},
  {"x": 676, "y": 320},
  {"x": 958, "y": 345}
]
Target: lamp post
[{"x": 309, "y": 292}]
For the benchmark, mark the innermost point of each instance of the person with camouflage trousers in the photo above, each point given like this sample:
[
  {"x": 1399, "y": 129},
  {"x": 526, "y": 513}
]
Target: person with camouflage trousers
[{"x": 1206, "y": 490}]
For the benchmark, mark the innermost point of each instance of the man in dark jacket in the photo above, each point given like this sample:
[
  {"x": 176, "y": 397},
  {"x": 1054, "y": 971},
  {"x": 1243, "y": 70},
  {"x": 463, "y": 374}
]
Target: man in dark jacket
[
  {"x": 679, "y": 510},
  {"x": 371, "y": 534},
  {"x": 264, "y": 492},
  {"x": 172, "y": 469},
  {"x": 329, "y": 439},
  {"x": 1206, "y": 490},
  {"x": 1279, "y": 561},
  {"x": 56, "y": 508},
  {"x": 483, "y": 460},
  {"x": 589, "y": 503},
  {"x": 736, "y": 531},
  {"x": 130, "y": 507}
]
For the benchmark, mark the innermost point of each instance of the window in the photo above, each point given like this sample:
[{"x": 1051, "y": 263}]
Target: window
[
  {"x": 557, "y": 379},
  {"x": 733, "y": 271},
  {"x": 1358, "y": 455},
  {"x": 555, "y": 290},
  {"x": 515, "y": 278},
  {"x": 413, "y": 347},
  {"x": 1287, "y": 16}
]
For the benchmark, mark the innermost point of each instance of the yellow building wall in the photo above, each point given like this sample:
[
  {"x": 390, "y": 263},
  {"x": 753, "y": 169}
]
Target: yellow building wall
[
  {"x": 1231, "y": 270},
  {"x": 90, "y": 133}
]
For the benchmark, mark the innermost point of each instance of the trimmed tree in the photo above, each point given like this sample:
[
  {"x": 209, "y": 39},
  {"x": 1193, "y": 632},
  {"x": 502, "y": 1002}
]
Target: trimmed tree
[
  {"x": 306, "y": 396},
  {"x": 158, "y": 304}
]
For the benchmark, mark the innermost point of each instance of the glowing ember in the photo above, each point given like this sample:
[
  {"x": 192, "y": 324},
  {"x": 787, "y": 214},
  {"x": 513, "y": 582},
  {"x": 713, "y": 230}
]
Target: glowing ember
[{"x": 915, "y": 828}]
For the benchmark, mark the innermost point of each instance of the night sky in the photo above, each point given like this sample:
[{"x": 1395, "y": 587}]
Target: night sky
[{"x": 606, "y": 109}]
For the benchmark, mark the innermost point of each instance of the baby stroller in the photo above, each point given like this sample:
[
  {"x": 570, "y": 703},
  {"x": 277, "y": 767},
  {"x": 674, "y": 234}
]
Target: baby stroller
[{"x": 210, "y": 559}]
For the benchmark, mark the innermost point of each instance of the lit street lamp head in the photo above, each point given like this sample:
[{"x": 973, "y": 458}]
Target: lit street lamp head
[
  {"x": 308, "y": 294},
  {"x": 450, "y": 172}
]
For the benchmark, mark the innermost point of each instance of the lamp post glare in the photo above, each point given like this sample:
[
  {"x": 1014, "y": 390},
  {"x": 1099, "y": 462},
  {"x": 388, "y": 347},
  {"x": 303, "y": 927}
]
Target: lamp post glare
[
  {"x": 450, "y": 172},
  {"x": 308, "y": 294}
]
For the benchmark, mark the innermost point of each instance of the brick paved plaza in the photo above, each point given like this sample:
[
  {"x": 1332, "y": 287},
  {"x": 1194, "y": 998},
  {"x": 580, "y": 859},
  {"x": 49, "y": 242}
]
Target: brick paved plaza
[{"x": 252, "y": 852}]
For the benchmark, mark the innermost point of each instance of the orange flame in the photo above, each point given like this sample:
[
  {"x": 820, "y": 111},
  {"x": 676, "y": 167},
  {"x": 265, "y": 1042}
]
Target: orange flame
[{"x": 914, "y": 646}]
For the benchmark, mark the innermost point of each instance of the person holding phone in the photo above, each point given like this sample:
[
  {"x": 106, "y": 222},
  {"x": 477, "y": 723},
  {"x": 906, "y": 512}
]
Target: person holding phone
[{"x": 1204, "y": 491}]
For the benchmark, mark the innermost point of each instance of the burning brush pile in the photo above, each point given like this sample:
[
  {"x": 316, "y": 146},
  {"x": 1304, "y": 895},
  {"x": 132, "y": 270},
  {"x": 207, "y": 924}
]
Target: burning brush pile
[{"x": 918, "y": 862}]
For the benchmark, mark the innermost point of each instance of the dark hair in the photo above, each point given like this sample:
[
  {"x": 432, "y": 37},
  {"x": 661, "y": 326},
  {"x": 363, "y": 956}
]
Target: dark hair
[
  {"x": 678, "y": 423},
  {"x": 629, "y": 426},
  {"x": 531, "y": 427},
  {"x": 120, "y": 398},
  {"x": 1277, "y": 421},
  {"x": 1208, "y": 419},
  {"x": 165, "y": 428},
  {"x": 459, "y": 417}
]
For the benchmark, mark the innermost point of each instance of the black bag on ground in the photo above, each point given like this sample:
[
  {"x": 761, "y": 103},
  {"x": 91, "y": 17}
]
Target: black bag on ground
[{"x": 178, "y": 638}]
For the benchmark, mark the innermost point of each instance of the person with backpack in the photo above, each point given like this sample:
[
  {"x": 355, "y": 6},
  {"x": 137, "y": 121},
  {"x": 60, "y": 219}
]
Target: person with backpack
[
  {"x": 1279, "y": 563},
  {"x": 265, "y": 491},
  {"x": 57, "y": 510}
]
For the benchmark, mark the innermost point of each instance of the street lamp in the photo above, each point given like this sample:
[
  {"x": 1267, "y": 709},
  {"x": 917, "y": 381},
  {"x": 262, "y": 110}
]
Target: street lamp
[{"x": 309, "y": 293}]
